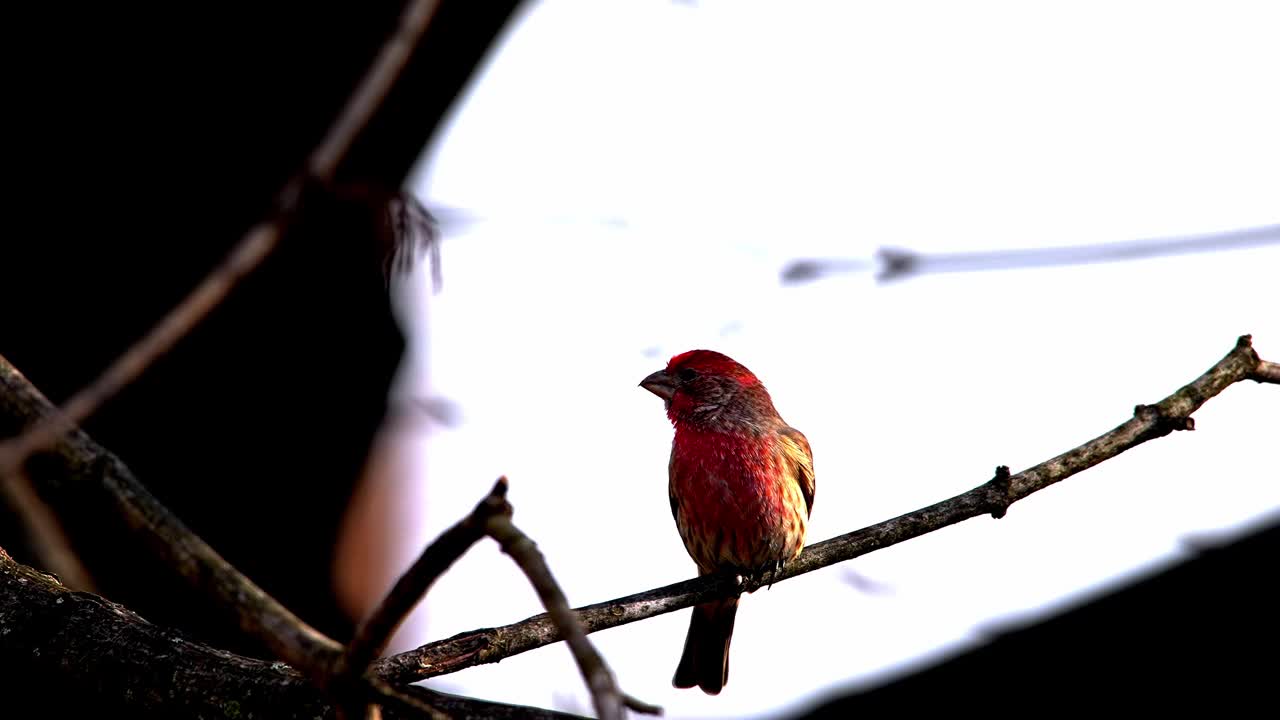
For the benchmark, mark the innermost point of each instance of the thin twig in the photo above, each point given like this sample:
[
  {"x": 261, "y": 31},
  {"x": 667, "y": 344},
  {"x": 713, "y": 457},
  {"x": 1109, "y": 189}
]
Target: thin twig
[
  {"x": 247, "y": 255},
  {"x": 608, "y": 699},
  {"x": 900, "y": 263},
  {"x": 991, "y": 498},
  {"x": 492, "y": 517},
  {"x": 372, "y": 634}
]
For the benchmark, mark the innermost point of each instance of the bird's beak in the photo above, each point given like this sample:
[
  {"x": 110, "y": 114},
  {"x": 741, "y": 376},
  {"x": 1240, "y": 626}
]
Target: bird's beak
[{"x": 660, "y": 384}]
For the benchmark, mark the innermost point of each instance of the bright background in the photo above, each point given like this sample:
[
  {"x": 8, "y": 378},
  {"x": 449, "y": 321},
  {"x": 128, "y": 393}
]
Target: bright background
[{"x": 626, "y": 180}]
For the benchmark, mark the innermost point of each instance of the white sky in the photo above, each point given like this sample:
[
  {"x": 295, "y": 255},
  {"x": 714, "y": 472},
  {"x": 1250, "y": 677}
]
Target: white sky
[{"x": 639, "y": 173}]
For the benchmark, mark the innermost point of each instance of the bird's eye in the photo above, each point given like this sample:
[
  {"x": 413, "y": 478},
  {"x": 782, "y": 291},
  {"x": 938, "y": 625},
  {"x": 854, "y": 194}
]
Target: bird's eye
[{"x": 687, "y": 374}]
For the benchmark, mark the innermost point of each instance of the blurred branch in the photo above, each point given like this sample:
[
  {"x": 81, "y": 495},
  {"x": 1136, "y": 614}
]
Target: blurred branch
[
  {"x": 44, "y": 534},
  {"x": 248, "y": 254},
  {"x": 436, "y": 409},
  {"x": 899, "y": 263},
  {"x": 991, "y": 498}
]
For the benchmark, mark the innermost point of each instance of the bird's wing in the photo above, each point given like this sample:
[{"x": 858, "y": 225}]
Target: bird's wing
[
  {"x": 671, "y": 486},
  {"x": 796, "y": 446}
]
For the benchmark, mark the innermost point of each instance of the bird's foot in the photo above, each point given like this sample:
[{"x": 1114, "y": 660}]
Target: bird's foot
[{"x": 764, "y": 576}]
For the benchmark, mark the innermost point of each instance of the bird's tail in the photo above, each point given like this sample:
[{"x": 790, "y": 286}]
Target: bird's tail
[{"x": 705, "y": 661}]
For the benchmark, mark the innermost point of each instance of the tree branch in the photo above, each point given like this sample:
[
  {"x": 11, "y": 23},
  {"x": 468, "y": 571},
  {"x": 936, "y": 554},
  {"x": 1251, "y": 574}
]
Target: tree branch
[
  {"x": 374, "y": 632},
  {"x": 608, "y": 699},
  {"x": 1267, "y": 372},
  {"x": 77, "y": 649},
  {"x": 991, "y": 498},
  {"x": 492, "y": 517}
]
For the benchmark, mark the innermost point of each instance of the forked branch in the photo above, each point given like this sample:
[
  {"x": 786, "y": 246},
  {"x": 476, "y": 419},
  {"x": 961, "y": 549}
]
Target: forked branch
[{"x": 491, "y": 517}]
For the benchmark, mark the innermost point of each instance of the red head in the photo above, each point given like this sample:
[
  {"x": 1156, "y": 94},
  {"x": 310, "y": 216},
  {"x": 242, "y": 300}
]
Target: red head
[{"x": 706, "y": 388}]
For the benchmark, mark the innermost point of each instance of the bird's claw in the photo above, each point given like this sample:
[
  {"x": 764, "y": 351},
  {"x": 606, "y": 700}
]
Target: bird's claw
[{"x": 764, "y": 576}]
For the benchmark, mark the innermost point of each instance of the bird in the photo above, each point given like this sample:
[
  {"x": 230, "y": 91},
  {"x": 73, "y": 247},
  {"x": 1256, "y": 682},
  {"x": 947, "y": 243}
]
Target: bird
[{"x": 741, "y": 486}]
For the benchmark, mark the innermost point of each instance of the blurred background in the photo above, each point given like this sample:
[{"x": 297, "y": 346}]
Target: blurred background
[{"x": 838, "y": 195}]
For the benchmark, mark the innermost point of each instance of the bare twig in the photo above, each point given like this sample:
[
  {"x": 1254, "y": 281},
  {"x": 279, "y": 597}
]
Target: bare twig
[
  {"x": 372, "y": 634},
  {"x": 991, "y": 498},
  {"x": 492, "y": 517},
  {"x": 608, "y": 699},
  {"x": 899, "y": 263},
  {"x": 248, "y": 254}
]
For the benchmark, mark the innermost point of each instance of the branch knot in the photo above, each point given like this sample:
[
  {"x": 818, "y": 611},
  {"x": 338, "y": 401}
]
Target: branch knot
[
  {"x": 996, "y": 493},
  {"x": 1162, "y": 423}
]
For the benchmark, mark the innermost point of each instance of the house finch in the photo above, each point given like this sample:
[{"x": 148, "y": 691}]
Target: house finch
[{"x": 741, "y": 486}]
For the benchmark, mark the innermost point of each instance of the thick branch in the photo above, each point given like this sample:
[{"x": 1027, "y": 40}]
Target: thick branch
[
  {"x": 992, "y": 498},
  {"x": 75, "y": 650}
]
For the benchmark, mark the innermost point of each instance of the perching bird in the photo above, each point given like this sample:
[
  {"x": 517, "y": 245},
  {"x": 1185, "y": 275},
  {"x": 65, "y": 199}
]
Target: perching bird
[{"x": 741, "y": 486}]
